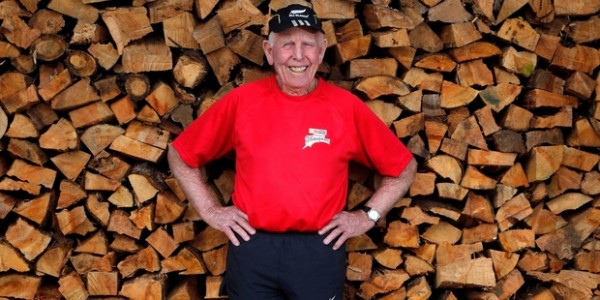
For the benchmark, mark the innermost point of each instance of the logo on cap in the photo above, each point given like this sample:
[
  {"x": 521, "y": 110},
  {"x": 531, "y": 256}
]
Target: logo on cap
[{"x": 293, "y": 16}]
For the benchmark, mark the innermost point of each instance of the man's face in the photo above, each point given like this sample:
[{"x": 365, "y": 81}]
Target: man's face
[{"x": 295, "y": 54}]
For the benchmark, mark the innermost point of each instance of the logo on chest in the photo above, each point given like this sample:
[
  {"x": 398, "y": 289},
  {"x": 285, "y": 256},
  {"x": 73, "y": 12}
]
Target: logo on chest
[{"x": 314, "y": 136}]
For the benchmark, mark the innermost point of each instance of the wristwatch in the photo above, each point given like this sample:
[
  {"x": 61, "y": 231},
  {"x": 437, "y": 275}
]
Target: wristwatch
[{"x": 372, "y": 214}]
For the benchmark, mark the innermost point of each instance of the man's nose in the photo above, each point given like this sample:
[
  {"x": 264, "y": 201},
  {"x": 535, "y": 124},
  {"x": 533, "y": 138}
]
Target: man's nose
[{"x": 298, "y": 52}]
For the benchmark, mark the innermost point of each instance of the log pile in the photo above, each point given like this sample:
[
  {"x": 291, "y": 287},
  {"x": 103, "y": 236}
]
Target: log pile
[{"x": 498, "y": 100}]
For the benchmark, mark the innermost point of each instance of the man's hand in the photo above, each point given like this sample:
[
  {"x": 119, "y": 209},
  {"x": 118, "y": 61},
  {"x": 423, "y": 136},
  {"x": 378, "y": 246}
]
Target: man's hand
[
  {"x": 231, "y": 221},
  {"x": 346, "y": 225}
]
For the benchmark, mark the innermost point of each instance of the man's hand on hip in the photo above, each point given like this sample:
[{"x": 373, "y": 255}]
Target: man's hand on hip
[
  {"x": 345, "y": 225},
  {"x": 231, "y": 221}
]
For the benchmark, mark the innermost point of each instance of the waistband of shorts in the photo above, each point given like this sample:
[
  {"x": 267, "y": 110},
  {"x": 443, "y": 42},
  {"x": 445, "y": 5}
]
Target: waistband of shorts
[{"x": 287, "y": 233}]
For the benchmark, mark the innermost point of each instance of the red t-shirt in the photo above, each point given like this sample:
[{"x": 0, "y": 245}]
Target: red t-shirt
[{"x": 292, "y": 152}]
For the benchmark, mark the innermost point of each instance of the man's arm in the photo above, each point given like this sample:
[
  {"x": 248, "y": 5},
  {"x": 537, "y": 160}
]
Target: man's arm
[
  {"x": 229, "y": 220},
  {"x": 346, "y": 225}
]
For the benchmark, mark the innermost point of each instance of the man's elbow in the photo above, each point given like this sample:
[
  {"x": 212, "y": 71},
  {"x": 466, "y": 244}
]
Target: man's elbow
[{"x": 410, "y": 170}]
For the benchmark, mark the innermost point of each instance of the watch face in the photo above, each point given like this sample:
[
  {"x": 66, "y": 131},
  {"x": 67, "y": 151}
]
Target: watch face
[{"x": 373, "y": 215}]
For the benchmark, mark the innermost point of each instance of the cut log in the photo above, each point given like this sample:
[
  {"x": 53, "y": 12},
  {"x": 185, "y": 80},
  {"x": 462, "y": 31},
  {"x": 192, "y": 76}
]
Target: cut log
[
  {"x": 454, "y": 95},
  {"x": 102, "y": 283},
  {"x": 401, "y": 235},
  {"x": 517, "y": 239},
  {"x": 126, "y": 25},
  {"x": 147, "y": 286},
  {"x": 520, "y": 33},
  {"x": 53, "y": 260},
  {"x": 513, "y": 211},
  {"x": 239, "y": 15},
  {"x": 372, "y": 67},
  {"x": 483, "y": 233},
  {"x": 474, "y": 73},
  {"x": 49, "y": 47},
  {"x": 29, "y": 240},
  {"x": 475, "y": 51},
  {"x": 447, "y": 253},
  {"x": 19, "y": 286},
  {"x": 459, "y": 34},
  {"x": 81, "y": 63},
  {"x": 11, "y": 260},
  {"x": 146, "y": 259},
  {"x": 75, "y": 9},
  {"x": 475, "y": 179},
  {"x": 564, "y": 180},
  {"x": 442, "y": 232},
  {"x": 162, "y": 242},
  {"x": 384, "y": 282},
  {"x": 71, "y": 286},
  {"x": 178, "y": 31},
  {"x": 186, "y": 262},
  {"x": 377, "y": 86},
  {"x": 36, "y": 209},
  {"x": 157, "y": 56},
  {"x": 209, "y": 34},
  {"x": 449, "y": 11},
  {"x": 466, "y": 273},
  {"x": 379, "y": 16},
  {"x": 543, "y": 161},
  {"x": 106, "y": 54},
  {"x": 222, "y": 61}
]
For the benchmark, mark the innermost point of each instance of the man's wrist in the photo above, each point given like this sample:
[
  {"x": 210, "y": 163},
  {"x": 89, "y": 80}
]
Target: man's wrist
[{"x": 372, "y": 214}]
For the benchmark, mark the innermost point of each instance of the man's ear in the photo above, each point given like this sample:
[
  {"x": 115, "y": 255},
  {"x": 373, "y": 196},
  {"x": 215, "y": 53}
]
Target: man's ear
[
  {"x": 324, "y": 47},
  {"x": 268, "y": 50}
]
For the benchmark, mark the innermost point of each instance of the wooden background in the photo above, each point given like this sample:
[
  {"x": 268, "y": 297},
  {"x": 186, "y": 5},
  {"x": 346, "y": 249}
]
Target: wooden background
[{"x": 498, "y": 100}]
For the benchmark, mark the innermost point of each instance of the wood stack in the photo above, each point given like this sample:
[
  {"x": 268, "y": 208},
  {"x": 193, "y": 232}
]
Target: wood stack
[{"x": 498, "y": 100}]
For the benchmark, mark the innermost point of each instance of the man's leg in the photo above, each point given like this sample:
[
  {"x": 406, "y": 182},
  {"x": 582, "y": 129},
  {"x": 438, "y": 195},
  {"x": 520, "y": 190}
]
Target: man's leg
[
  {"x": 314, "y": 270},
  {"x": 252, "y": 270}
]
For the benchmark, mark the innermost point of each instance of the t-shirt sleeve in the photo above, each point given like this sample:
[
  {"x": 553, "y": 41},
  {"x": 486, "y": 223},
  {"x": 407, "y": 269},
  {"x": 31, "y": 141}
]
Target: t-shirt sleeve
[
  {"x": 210, "y": 136},
  {"x": 377, "y": 146}
]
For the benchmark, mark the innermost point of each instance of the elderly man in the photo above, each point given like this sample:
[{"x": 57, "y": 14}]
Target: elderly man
[{"x": 294, "y": 135}]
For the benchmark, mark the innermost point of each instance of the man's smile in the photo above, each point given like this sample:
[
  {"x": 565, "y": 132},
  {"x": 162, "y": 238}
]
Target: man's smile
[{"x": 298, "y": 69}]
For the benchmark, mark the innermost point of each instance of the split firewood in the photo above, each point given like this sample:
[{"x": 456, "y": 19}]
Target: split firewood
[
  {"x": 512, "y": 211},
  {"x": 178, "y": 31},
  {"x": 53, "y": 260},
  {"x": 20, "y": 286},
  {"x": 72, "y": 286},
  {"x": 474, "y": 73},
  {"x": 384, "y": 282},
  {"x": 457, "y": 35},
  {"x": 467, "y": 272},
  {"x": 75, "y": 9},
  {"x": 29, "y": 240},
  {"x": 102, "y": 283},
  {"x": 379, "y": 16},
  {"x": 447, "y": 253},
  {"x": 376, "y": 86},
  {"x": 442, "y": 232},
  {"x": 483, "y": 233},
  {"x": 239, "y": 15},
  {"x": 543, "y": 162},
  {"x": 516, "y": 239},
  {"x": 144, "y": 286},
  {"x": 449, "y": 11},
  {"x": 11, "y": 260},
  {"x": 147, "y": 259},
  {"x": 36, "y": 209}
]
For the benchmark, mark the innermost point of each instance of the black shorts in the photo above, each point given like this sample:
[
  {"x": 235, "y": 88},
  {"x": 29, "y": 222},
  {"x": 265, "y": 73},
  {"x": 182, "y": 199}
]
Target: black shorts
[{"x": 293, "y": 266}]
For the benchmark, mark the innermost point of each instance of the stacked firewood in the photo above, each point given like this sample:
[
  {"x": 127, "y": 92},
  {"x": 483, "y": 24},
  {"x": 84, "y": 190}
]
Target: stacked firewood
[{"x": 497, "y": 99}]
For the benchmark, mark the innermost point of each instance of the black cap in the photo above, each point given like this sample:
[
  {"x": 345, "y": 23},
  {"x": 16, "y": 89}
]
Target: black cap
[{"x": 293, "y": 16}]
